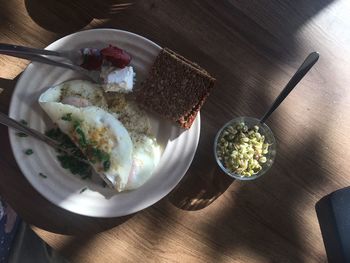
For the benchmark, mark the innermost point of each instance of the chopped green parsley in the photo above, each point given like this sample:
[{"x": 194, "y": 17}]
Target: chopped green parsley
[
  {"x": 94, "y": 154},
  {"x": 72, "y": 164},
  {"x": 23, "y": 122},
  {"x": 21, "y": 134},
  {"x": 67, "y": 117},
  {"x": 29, "y": 152},
  {"x": 42, "y": 175}
]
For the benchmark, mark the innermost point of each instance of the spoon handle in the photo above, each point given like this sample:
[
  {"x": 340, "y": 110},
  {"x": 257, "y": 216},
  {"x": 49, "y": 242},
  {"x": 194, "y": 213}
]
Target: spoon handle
[
  {"x": 301, "y": 72},
  {"x": 14, "y": 48},
  {"x": 38, "y": 58}
]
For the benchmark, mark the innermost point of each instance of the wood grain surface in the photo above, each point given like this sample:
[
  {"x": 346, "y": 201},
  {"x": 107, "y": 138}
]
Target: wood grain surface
[{"x": 252, "y": 48}]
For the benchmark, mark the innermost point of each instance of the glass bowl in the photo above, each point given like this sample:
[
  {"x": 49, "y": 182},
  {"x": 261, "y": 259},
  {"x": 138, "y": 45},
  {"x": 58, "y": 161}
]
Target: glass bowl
[{"x": 263, "y": 130}]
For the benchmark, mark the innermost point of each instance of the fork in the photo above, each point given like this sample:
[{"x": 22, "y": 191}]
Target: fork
[
  {"x": 38, "y": 55},
  {"x": 9, "y": 122}
]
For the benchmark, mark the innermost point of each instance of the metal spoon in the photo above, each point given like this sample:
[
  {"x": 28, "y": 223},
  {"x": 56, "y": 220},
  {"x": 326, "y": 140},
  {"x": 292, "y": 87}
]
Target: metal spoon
[{"x": 301, "y": 72}]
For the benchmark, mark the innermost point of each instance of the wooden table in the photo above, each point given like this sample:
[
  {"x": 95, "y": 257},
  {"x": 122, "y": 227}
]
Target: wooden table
[{"x": 252, "y": 48}]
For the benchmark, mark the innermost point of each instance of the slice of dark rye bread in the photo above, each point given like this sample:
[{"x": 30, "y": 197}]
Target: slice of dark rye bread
[{"x": 175, "y": 88}]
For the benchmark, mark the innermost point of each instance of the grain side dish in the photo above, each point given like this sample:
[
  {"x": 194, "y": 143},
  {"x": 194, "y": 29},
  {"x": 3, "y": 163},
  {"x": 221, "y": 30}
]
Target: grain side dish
[{"x": 242, "y": 150}]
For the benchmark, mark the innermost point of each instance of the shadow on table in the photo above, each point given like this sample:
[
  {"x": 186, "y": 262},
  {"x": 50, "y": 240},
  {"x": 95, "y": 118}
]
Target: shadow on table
[
  {"x": 253, "y": 221},
  {"x": 67, "y": 16},
  {"x": 200, "y": 187},
  {"x": 250, "y": 221}
]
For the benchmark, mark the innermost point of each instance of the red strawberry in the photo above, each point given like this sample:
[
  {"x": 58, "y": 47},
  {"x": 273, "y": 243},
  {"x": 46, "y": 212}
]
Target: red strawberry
[{"x": 118, "y": 57}]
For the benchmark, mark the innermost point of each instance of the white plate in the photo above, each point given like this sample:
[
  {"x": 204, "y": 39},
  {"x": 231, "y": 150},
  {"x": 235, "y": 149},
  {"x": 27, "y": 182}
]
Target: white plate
[{"x": 63, "y": 188}]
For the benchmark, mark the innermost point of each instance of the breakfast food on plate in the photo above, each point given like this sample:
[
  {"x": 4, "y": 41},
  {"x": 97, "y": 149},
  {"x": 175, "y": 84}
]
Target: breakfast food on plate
[
  {"x": 124, "y": 157},
  {"x": 103, "y": 124},
  {"x": 176, "y": 88},
  {"x": 242, "y": 150},
  {"x": 113, "y": 64}
]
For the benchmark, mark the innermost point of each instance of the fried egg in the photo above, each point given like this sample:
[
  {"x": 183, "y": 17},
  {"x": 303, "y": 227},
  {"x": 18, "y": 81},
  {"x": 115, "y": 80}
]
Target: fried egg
[
  {"x": 118, "y": 127},
  {"x": 102, "y": 138}
]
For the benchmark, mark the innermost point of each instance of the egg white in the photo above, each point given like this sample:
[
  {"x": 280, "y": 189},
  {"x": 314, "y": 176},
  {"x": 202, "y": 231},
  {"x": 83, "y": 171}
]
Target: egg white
[{"x": 146, "y": 156}]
